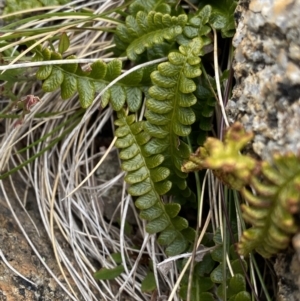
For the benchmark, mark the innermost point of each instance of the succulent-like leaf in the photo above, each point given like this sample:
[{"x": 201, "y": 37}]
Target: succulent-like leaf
[
  {"x": 64, "y": 43},
  {"x": 109, "y": 274},
  {"x": 149, "y": 283}
]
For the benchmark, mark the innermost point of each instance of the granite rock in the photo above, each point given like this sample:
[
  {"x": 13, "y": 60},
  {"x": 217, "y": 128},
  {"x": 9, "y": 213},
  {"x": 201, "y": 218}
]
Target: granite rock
[{"x": 266, "y": 98}]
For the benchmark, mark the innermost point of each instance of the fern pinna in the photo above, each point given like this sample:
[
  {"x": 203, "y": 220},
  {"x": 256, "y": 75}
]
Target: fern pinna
[
  {"x": 274, "y": 197},
  {"x": 148, "y": 181}
]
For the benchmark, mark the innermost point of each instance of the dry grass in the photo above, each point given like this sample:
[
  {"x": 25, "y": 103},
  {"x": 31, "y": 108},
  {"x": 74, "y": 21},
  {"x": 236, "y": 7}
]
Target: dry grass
[{"x": 69, "y": 193}]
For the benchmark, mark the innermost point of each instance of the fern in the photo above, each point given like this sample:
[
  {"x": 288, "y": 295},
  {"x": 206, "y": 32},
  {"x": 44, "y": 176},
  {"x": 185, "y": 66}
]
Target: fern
[
  {"x": 152, "y": 150},
  {"x": 276, "y": 186},
  {"x": 225, "y": 159},
  {"x": 204, "y": 110},
  {"x": 148, "y": 181},
  {"x": 222, "y": 17},
  {"x": 169, "y": 115},
  {"x": 271, "y": 210},
  {"x": 70, "y": 78},
  {"x": 146, "y": 30}
]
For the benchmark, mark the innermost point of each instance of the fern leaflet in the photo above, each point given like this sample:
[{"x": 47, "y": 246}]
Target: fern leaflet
[{"x": 161, "y": 6}]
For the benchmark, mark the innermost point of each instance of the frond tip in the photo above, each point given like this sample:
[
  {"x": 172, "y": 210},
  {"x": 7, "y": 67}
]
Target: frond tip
[
  {"x": 225, "y": 158},
  {"x": 146, "y": 30}
]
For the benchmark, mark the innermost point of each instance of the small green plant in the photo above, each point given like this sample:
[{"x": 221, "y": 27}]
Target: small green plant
[
  {"x": 212, "y": 274},
  {"x": 276, "y": 197}
]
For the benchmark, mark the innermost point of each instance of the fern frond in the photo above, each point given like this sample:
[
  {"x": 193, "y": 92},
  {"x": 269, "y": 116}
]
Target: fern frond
[
  {"x": 146, "y": 30},
  {"x": 148, "y": 181},
  {"x": 225, "y": 159},
  {"x": 274, "y": 197},
  {"x": 169, "y": 114},
  {"x": 71, "y": 78},
  {"x": 204, "y": 110},
  {"x": 271, "y": 209}
]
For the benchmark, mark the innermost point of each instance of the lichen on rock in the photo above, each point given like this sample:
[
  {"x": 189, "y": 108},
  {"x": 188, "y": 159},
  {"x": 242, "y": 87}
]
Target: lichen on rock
[{"x": 266, "y": 98}]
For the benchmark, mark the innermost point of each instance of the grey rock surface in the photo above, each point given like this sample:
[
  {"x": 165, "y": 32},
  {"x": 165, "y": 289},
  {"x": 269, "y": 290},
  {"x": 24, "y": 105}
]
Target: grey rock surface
[
  {"x": 266, "y": 98},
  {"x": 287, "y": 269}
]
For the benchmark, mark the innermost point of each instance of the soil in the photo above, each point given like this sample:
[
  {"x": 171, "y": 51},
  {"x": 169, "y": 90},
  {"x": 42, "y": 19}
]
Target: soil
[{"x": 19, "y": 255}]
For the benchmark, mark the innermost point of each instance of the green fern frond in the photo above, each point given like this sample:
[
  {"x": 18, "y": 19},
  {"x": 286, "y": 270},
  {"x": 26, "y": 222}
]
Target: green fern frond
[
  {"x": 148, "y": 180},
  {"x": 146, "y": 30},
  {"x": 204, "y": 110},
  {"x": 271, "y": 209},
  {"x": 70, "y": 78},
  {"x": 169, "y": 114}
]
